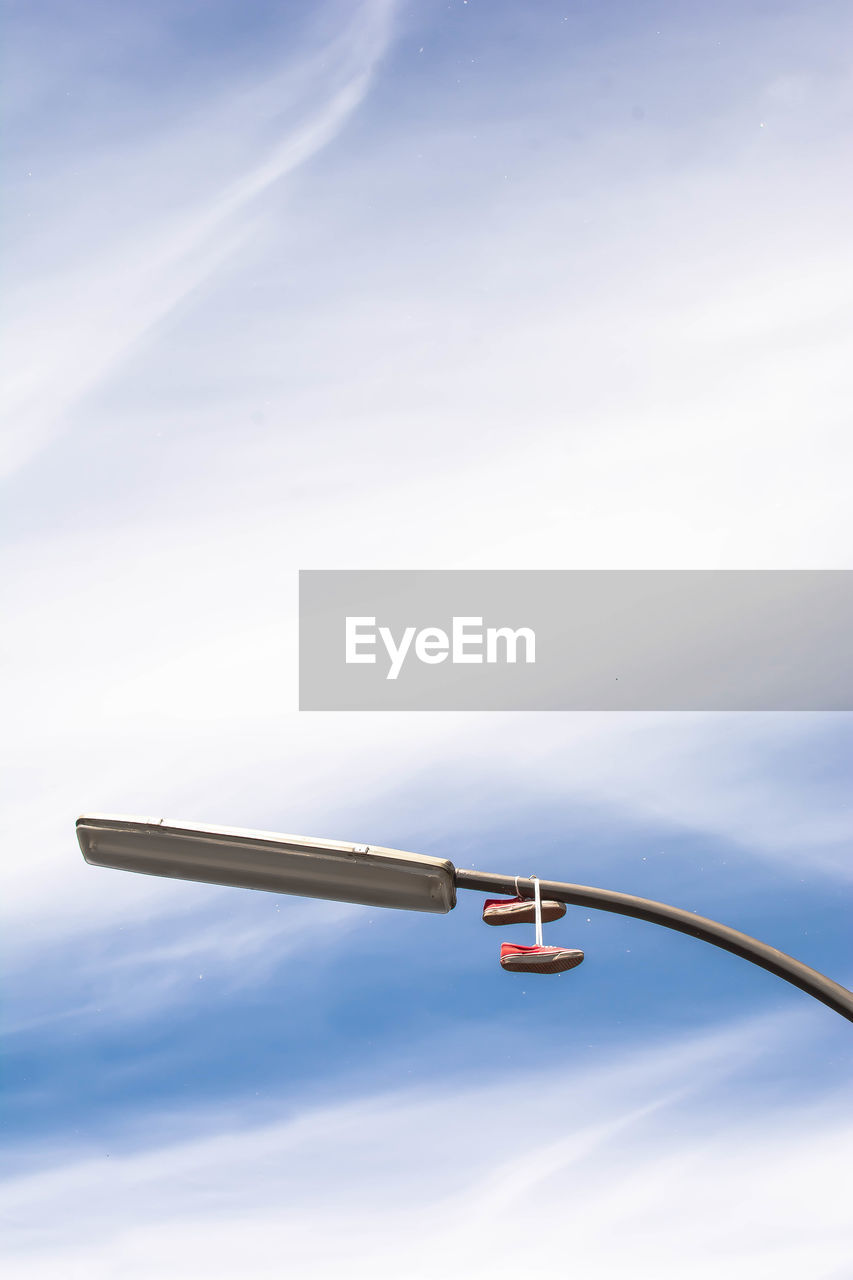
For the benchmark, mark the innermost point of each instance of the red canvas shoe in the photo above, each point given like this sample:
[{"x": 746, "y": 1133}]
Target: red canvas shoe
[
  {"x": 538, "y": 959},
  {"x": 520, "y": 911}
]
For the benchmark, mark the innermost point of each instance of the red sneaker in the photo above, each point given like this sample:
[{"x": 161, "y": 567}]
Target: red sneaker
[
  {"x": 520, "y": 911},
  {"x": 538, "y": 959}
]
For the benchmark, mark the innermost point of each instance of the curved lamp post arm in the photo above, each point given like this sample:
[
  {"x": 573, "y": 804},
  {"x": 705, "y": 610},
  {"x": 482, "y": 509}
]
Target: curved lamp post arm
[{"x": 719, "y": 935}]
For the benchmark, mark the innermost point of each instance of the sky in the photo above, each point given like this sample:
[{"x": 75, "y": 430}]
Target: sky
[{"x": 410, "y": 285}]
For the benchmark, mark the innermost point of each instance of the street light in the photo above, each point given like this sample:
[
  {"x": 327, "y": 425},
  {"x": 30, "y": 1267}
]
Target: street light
[
  {"x": 373, "y": 876},
  {"x": 361, "y": 873}
]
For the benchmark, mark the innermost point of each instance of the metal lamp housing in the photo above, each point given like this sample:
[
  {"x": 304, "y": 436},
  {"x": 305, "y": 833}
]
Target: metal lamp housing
[{"x": 331, "y": 869}]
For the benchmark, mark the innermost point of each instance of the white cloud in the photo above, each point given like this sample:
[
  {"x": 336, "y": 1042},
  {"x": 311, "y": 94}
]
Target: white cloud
[
  {"x": 648, "y": 1167},
  {"x": 119, "y": 976},
  {"x": 72, "y": 326}
]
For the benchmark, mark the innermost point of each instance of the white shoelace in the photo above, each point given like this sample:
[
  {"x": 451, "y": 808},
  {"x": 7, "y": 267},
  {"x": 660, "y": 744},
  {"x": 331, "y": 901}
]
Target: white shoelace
[{"x": 538, "y": 902}]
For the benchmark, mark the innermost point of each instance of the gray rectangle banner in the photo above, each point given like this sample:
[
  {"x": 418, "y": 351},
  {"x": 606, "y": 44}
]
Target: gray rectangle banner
[{"x": 576, "y": 640}]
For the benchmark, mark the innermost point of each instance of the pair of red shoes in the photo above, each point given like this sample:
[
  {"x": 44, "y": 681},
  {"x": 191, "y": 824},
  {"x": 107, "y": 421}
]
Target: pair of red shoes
[{"x": 537, "y": 959}]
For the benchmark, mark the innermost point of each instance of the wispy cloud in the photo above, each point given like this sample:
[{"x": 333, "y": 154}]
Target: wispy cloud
[
  {"x": 634, "y": 1167},
  {"x": 72, "y": 327},
  {"x": 138, "y": 974}
]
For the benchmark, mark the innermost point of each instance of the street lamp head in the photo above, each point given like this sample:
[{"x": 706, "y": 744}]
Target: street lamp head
[{"x": 331, "y": 869}]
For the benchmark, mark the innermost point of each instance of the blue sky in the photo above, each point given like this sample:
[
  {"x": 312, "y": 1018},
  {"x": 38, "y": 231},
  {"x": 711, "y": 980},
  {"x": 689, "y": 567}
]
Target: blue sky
[{"x": 415, "y": 286}]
